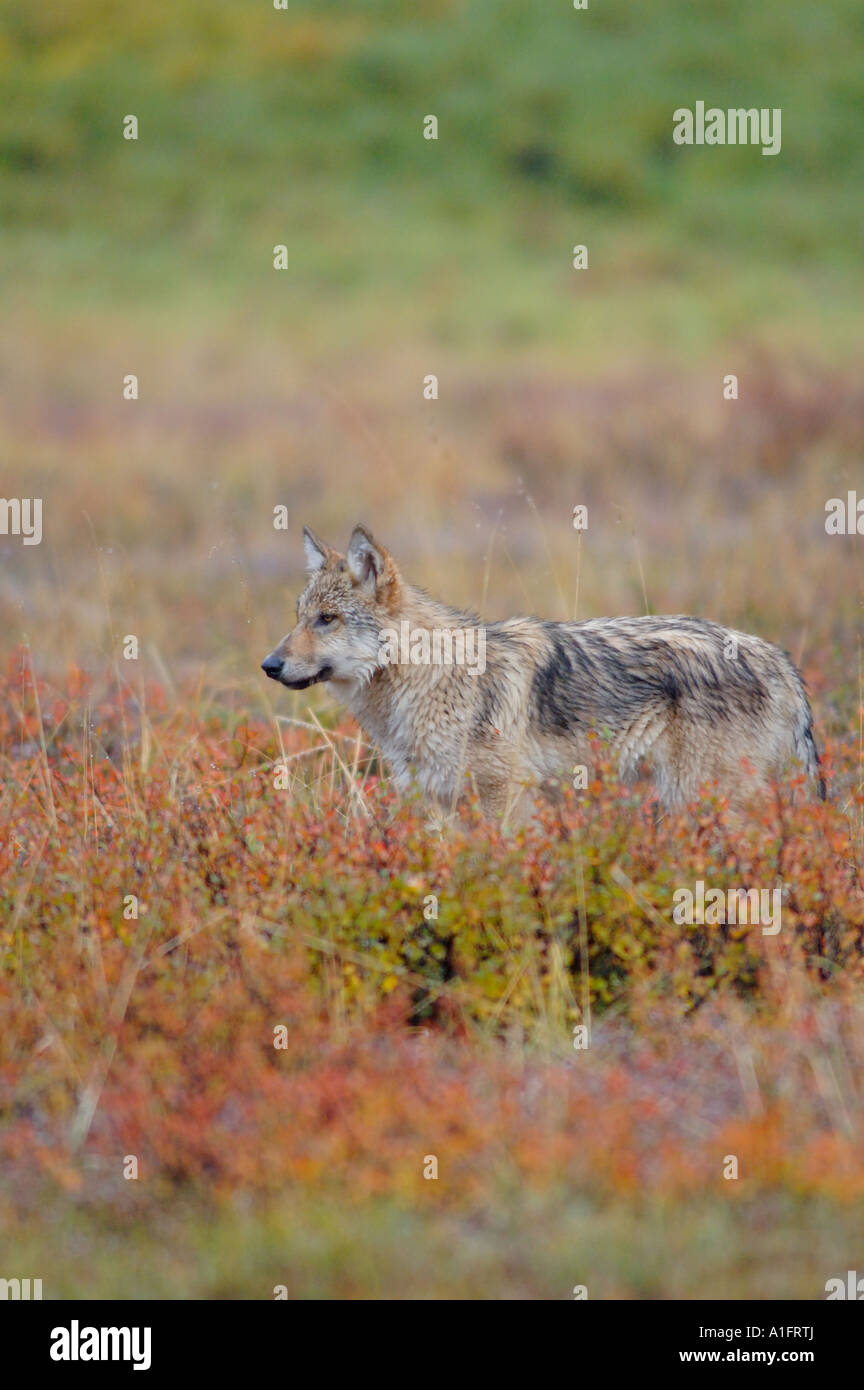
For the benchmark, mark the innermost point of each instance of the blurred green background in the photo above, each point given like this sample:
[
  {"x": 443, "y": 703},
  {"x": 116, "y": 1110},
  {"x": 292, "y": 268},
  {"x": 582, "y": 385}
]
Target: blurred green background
[
  {"x": 303, "y": 387},
  {"x": 304, "y": 127}
]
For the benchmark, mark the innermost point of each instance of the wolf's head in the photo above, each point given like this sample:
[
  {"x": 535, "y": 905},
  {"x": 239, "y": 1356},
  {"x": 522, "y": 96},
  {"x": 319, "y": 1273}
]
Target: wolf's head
[{"x": 347, "y": 601}]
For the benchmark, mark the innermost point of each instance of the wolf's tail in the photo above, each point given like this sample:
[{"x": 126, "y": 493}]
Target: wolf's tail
[{"x": 806, "y": 750}]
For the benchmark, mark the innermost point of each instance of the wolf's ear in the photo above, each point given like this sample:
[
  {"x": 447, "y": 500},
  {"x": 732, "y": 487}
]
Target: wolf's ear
[
  {"x": 369, "y": 565},
  {"x": 317, "y": 553}
]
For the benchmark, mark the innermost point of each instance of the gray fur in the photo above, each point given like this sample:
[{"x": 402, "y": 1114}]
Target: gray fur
[{"x": 692, "y": 702}]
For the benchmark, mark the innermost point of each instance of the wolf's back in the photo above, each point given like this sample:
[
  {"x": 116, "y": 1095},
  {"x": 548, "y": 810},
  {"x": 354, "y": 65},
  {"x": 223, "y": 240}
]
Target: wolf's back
[{"x": 686, "y": 690}]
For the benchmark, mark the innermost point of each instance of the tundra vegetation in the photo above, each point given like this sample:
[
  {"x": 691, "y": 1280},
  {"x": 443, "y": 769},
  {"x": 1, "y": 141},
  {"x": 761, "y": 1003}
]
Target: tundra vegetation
[{"x": 228, "y": 950}]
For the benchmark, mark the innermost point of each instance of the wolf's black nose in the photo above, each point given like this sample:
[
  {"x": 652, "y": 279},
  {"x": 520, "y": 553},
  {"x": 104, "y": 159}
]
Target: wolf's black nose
[{"x": 271, "y": 666}]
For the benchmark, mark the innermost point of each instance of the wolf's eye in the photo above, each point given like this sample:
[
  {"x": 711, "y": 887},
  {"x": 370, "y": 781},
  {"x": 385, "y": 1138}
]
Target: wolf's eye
[{"x": 326, "y": 618}]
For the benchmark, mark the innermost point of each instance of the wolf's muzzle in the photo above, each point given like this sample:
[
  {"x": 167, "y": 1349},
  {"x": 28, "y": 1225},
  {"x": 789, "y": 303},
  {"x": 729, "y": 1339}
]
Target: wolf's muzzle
[
  {"x": 272, "y": 666},
  {"x": 323, "y": 675}
]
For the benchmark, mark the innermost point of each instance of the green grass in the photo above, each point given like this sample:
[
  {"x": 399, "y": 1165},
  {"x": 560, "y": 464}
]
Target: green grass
[
  {"x": 527, "y": 1248},
  {"x": 304, "y": 127}
]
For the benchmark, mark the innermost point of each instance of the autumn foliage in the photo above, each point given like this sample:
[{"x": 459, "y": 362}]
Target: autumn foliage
[{"x": 287, "y": 1009}]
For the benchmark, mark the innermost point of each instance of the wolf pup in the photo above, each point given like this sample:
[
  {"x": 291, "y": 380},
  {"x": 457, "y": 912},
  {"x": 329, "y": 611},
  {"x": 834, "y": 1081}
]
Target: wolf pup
[{"x": 514, "y": 703}]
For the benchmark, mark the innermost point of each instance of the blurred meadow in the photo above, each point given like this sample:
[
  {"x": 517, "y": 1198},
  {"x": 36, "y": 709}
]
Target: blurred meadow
[{"x": 304, "y": 388}]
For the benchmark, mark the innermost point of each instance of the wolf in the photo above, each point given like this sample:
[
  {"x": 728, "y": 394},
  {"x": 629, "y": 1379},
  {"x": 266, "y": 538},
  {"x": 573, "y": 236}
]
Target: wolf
[{"x": 691, "y": 702}]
